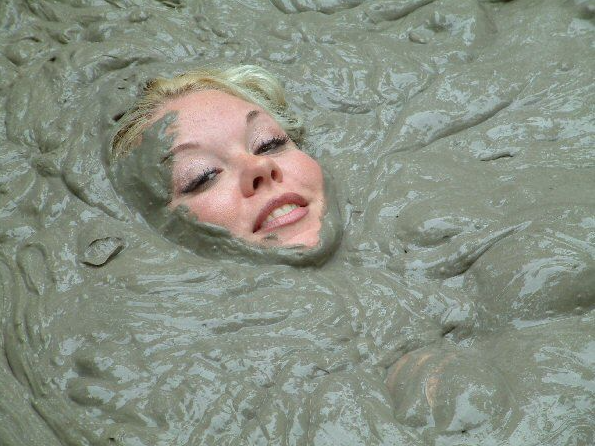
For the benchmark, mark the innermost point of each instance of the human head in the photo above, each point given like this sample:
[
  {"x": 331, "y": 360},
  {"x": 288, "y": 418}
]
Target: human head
[{"x": 207, "y": 103}]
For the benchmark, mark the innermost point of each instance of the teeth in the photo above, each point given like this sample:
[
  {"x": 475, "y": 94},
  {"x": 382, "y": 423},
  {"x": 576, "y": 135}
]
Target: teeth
[{"x": 280, "y": 211}]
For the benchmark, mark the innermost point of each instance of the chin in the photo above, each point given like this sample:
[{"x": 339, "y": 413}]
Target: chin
[{"x": 309, "y": 239}]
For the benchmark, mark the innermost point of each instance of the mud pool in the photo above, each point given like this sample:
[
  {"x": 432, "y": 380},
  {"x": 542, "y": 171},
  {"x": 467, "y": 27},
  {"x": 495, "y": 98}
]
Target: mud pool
[{"x": 458, "y": 306}]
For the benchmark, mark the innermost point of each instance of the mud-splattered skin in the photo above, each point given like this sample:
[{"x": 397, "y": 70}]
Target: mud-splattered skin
[{"x": 457, "y": 307}]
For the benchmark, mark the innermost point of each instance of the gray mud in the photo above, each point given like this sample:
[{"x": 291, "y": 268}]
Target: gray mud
[{"x": 458, "y": 307}]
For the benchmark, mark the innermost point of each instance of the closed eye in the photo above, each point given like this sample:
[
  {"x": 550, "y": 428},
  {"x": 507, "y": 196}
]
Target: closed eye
[
  {"x": 201, "y": 181},
  {"x": 274, "y": 144}
]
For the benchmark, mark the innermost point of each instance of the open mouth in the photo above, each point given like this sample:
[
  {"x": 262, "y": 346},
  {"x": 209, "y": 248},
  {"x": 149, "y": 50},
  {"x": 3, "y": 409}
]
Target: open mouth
[{"x": 281, "y": 211}]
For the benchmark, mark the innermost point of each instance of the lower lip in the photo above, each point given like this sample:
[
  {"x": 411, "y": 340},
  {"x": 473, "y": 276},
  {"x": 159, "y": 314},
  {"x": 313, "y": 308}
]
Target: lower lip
[{"x": 287, "y": 219}]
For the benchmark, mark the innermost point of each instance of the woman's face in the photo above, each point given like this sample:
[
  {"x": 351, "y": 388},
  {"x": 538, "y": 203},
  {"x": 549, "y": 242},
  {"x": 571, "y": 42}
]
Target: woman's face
[{"x": 234, "y": 166}]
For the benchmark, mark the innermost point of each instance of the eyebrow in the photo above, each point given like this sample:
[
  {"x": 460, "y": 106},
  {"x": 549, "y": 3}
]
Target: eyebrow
[
  {"x": 184, "y": 146},
  {"x": 251, "y": 116}
]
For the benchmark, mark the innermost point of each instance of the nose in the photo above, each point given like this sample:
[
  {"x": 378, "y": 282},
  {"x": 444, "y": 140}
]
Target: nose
[{"x": 257, "y": 172}]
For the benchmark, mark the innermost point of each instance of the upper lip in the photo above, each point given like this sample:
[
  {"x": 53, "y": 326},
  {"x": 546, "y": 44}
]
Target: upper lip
[{"x": 287, "y": 198}]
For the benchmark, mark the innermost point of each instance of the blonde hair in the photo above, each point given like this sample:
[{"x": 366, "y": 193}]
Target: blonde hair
[{"x": 248, "y": 82}]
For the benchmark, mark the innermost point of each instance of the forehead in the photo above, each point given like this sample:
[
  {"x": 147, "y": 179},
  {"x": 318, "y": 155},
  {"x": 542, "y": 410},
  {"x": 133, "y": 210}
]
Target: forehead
[{"x": 208, "y": 105}]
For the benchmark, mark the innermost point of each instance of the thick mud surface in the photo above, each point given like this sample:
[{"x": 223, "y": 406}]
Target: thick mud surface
[{"x": 458, "y": 307}]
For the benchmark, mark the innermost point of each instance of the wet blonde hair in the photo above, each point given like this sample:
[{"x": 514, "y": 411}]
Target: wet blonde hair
[{"x": 248, "y": 82}]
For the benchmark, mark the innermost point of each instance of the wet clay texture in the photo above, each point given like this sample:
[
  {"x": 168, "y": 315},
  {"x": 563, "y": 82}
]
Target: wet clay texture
[{"x": 452, "y": 302}]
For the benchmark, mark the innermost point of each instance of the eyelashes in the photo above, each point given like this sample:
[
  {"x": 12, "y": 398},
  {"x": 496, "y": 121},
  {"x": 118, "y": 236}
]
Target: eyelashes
[
  {"x": 202, "y": 181},
  {"x": 273, "y": 144}
]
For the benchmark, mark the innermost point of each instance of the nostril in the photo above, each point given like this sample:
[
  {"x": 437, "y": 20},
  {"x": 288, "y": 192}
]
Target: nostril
[
  {"x": 274, "y": 175},
  {"x": 256, "y": 182}
]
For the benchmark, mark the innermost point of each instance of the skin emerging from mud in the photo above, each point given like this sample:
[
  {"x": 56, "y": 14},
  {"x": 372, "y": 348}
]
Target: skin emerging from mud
[
  {"x": 235, "y": 167},
  {"x": 456, "y": 308}
]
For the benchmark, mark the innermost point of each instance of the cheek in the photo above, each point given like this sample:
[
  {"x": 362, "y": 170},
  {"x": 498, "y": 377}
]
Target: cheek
[
  {"x": 303, "y": 170},
  {"x": 217, "y": 206}
]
